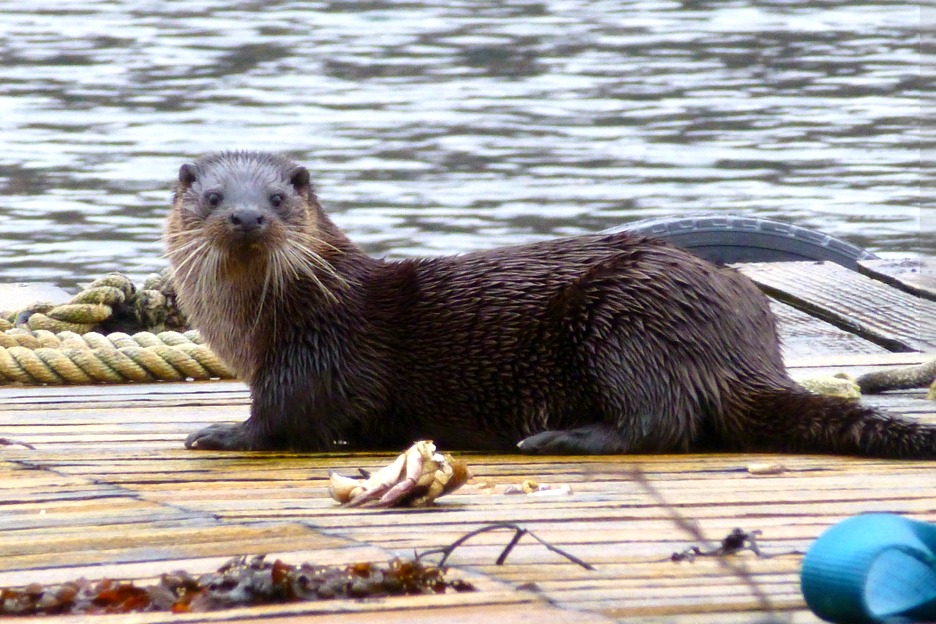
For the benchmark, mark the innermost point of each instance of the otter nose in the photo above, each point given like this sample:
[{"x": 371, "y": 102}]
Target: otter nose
[{"x": 247, "y": 220}]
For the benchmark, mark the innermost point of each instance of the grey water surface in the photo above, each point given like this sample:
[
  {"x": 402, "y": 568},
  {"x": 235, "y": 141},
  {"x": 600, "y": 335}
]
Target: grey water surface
[{"x": 444, "y": 126}]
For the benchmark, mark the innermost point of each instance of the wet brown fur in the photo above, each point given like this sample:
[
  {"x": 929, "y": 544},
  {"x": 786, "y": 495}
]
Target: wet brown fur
[{"x": 610, "y": 343}]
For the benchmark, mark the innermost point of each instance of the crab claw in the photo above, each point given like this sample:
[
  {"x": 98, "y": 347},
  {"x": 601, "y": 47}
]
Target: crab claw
[{"x": 343, "y": 488}]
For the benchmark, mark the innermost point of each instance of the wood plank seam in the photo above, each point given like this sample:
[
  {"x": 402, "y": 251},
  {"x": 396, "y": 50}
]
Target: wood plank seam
[
  {"x": 846, "y": 323},
  {"x": 876, "y": 269},
  {"x": 117, "y": 489},
  {"x": 897, "y": 320},
  {"x": 217, "y": 519}
]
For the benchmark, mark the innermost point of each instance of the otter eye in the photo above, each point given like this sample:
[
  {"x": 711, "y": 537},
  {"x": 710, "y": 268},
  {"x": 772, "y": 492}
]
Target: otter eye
[
  {"x": 276, "y": 200},
  {"x": 213, "y": 198}
]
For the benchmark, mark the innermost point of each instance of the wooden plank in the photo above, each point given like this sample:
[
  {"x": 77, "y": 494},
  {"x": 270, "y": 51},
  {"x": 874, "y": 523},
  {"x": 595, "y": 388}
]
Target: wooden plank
[
  {"x": 803, "y": 335},
  {"x": 863, "y": 361},
  {"x": 189, "y": 392},
  {"x": 891, "y": 318},
  {"x": 502, "y": 606},
  {"x": 801, "y": 616},
  {"x": 127, "y": 501},
  {"x": 124, "y": 466},
  {"x": 99, "y": 538},
  {"x": 104, "y": 510},
  {"x": 913, "y": 275}
]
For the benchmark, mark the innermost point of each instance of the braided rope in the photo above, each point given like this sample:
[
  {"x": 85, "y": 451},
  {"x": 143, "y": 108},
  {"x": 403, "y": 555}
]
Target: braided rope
[
  {"x": 112, "y": 300},
  {"x": 42, "y": 357},
  {"x": 63, "y": 344}
]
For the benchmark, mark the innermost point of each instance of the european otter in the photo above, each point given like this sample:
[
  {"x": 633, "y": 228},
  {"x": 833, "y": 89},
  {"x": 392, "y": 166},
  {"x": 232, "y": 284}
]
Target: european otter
[{"x": 594, "y": 344}]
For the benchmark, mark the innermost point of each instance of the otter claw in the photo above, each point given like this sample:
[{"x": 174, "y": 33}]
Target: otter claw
[
  {"x": 218, "y": 437},
  {"x": 594, "y": 439},
  {"x": 543, "y": 443},
  {"x": 415, "y": 479}
]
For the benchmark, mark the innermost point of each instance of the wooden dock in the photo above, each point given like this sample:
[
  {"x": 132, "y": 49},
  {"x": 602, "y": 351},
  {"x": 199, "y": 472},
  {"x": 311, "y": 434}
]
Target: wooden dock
[{"x": 109, "y": 491}]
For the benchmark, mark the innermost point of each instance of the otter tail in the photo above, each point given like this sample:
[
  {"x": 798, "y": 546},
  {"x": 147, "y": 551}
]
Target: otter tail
[{"x": 796, "y": 420}]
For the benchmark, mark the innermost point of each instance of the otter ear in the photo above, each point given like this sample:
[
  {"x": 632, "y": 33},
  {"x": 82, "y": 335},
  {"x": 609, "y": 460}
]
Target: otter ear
[
  {"x": 187, "y": 175},
  {"x": 299, "y": 178}
]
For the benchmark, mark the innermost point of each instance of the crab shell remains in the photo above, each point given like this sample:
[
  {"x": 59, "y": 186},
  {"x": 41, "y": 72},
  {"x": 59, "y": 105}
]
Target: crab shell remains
[{"x": 415, "y": 479}]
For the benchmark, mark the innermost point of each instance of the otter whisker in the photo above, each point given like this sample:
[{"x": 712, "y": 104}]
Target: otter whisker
[
  {"x": 192, "y": 256},
  {"x": 171, "y": 236},
  {"x": 305, "y": 262},
  {"x": 195, "y": 242},
  {"x": 314, "y": 241},
  {"x": 263, "y": 291},
  {"x": 309, "y": 269},
  {"x": 320, "y": 262},
  {"x": 311, "y": 242},
  {"x": 301, "y": 264},
  {"x": 293, "y": 268},
  {"x": 312, "y": 257},
  {"x": 275, "y": 270},
  {"x": 209, "y": 270}
]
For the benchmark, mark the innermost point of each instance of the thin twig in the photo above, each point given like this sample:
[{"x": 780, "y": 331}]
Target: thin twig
[
  {"x": 513, "y": 542},
  {"x": 519, "y": 532},
  {"x": 9, "y": 442},
  {"x": 690, "y": 527}
]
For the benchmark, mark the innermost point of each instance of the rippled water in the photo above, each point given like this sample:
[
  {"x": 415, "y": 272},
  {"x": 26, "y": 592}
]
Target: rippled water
[{"x": 443, "y": 126}]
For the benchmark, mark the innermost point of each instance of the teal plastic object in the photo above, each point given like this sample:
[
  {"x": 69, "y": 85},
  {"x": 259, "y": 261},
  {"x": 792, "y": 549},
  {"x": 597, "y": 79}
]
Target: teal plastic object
[{"x": 873, "y": 568}]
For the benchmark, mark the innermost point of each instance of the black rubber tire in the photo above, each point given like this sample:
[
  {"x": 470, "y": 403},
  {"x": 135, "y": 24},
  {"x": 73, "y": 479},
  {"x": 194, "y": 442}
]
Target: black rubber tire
[{"x": 725, "y": 239}]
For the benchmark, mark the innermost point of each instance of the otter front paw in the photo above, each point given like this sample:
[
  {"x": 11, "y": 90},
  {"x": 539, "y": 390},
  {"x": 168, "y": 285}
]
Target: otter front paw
[{"x": 220, "y": 437}]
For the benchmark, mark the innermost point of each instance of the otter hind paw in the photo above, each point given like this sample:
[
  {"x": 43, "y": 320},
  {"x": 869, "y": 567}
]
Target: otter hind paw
[
  {"x": 219, "y": 437},
  {"x": 595, "y": 439}
]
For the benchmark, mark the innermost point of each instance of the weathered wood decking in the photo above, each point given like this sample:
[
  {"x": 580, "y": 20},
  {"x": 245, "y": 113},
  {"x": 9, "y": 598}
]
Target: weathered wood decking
[{"x": 109, "y": 491}]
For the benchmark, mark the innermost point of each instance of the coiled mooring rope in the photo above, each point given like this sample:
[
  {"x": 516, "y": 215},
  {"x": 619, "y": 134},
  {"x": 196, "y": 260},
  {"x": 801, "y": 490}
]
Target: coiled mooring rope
[
  {"x": 112, "y": 303},
  {"x": 66, "y": 344},
  {"x": 42, "y": 357}
]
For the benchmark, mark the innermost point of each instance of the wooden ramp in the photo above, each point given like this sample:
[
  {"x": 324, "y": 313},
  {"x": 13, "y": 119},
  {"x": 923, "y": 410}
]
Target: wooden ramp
[{"x": 108, "y": 491}]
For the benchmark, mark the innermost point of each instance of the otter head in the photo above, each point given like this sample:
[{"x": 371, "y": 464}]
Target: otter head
[
  {"x": 244, "y": 203},
  {"x": 247, "y": 226}
]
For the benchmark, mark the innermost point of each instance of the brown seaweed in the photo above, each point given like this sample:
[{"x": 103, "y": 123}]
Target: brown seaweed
[{"x": 239, "y": 582}]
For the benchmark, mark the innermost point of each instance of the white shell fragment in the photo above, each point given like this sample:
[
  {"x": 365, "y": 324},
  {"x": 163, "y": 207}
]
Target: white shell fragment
[
  {"x": 414, "y": 479},
  {"x": 766, "y": 469},
  {"x": 533, "y": 488}
]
